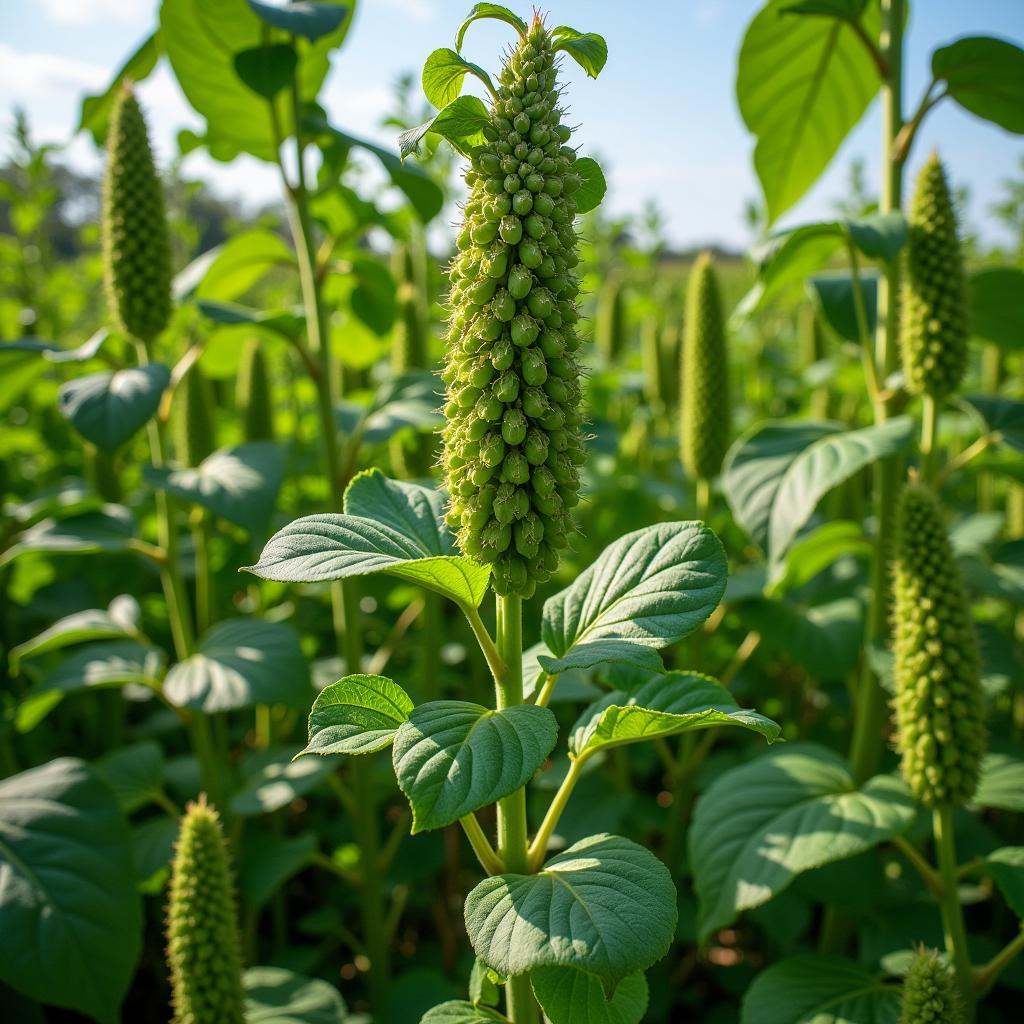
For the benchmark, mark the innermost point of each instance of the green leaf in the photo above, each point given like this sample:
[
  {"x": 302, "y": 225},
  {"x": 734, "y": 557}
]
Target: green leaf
[
  {"x": 443, "y": 74},
  {"x": 1006, "y": 866},
  {"x": 588, "y": 49},
  {"x": 276, "y": 996},
  {"x": 278, "y": 782},
  {"x": 602, "y": 652},
  {"x": 302, "y": 17},
  {"x": 592, "y": 184},
  {"x": 813, "y": 989},
  {"x": 802, "y": 84},
  {"x": 837, "y": 298},
  {"x": 240, "y": 263},
  {"x": 241, "y": 662},
  {"x": 107, "y": 408},
  {"x": 357, "y": 715},
  {"x": 153, "y": 845},
  {"x": 373, "y": 298},
  {"x": 452, "y": 757},
  {"x": 239, "y": 484},
  {"x": 650, "y": 588},
  {"x": 109, "y": 529},
  {"x": 495, "y": 11},
  {"x": 268, "y": 861},
  {"x": 986, "y": 77},
  {"x": 791, "y": 810},
  {"x": 120, "y": 619},
  {"x": 461, "y": 123},
  {"x": 267, "y": 69},
  {"x": 458, "y": 1011},
  {"x": 1001, "y": 784},
  {"x": 117, "y": 663},
  {"x": 667, "y": 705},
  {"x": 412, "y": 509},
  {"x": 135, "y": 773},
  {"x": 287, "y": 324},
  {"x": 483, "y": 985},
  {"x": 1004, "y": 416},
  {"x": 568, "y": 996},
  {"x": 997, "y": 314},
  {"x": 70, "y": 917},
  {"x": 605, "y": 906},
  {"x": 814, "y": 552},
  {"x": 848, "y": 10},
  {"x": 95, "y": 110},
  {"x": 406, "y": 401}
]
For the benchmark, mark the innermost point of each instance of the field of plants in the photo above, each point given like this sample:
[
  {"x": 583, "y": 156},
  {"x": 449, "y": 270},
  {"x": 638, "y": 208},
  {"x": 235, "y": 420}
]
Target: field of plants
[{"x": 517, "y": 622}]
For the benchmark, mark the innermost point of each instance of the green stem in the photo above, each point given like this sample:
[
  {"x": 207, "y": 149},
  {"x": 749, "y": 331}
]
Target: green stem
[
  {"x": 539, "y": 847},
  {"x": 924, "y": 869},
  {"x": 489, "y": 860},
  {"x": 929, "y": 437},
  {"x": 495, "y": 662},
  {"x": 703, "y": 498},
  {"x": 985, "y": 975},
  {"x": 201, "y": 535},
  {"x": 949, "y": 903}
]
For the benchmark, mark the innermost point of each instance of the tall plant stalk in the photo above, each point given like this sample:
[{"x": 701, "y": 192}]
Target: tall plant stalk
[{"x": 952, "y": 912}]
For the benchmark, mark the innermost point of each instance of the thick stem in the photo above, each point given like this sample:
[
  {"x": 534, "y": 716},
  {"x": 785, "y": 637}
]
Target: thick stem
[
  {"x": 201, "y": 536},
  {"x": 952, "y": 912}
]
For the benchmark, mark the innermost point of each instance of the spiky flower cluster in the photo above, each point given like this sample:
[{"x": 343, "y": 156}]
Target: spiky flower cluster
[
  {"x": 203, "y": 946},
  {"x": 704, "y": 388},
  {"x": 939, "y": 705},
  {"x": 253, "y": 393},
  {"x": 929, "y": 992},
  {"x": 935, "y": 315},
  {"x": 136, "y": 253},
  {"x": 512, "y": 445}
]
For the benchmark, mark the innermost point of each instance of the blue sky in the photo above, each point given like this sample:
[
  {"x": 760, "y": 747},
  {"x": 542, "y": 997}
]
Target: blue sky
[{"x": 662, "y": 116}]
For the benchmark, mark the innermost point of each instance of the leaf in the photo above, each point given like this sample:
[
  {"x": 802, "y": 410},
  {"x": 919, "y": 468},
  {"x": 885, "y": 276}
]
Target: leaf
[
  {"x": 287, "y": 324},
  {"x": 592, "y": 184},
  {"x": 814, "y": 552},
  {"x": 452, "y": 757},
  {"x": 1001, "y": 784},
  {"x": 1004, "y": 416},
  {"x": 997, "y": 315},
  {"x": 495, "y": 11},
  {"x": 791, "y": 810},
  {"x": 461, "y": 123},
  {"x": 458, "y": 1011},
  {"x": 605, "y": 906},
  {"x": 588, "y": 49},
  {"x": 107, "y": 408},
  {"x": 241, "y": 262},
  {"x": 1006, "y": 866},
  {"x": 443, "y": 74},
  {"x": 276, "y": 996},
  {"x": 239, "y": 484},
  {"x": 406, "y": 401},
  {"x": 70, "y": 918},
  {"x": 269, "y": 861},
  {"x": 95, "y": 110},
  {"x": 409, "y": 508},
  {"x": 837, "y": 300},
  {"x": 802, "y": 84},
  {"x": 812, "y": 989},
  {"x": 602, "y": 652},
  {"x": 278, "y": 782},
  {"x": 667, "y": 705},
  {"x": 569, "y": 996},
  {"x": 134, "y": 773},
  {"x": 302, "y": 17},
  {"x": 357, "y": 715},
  {"x": 267, "y": 69},
  {"x": 241, "y": 662},
  {"x": 118, "y": 663},
  {"x": 373, "y": 298},
  {"x": 651, "y": 588},
  {"x": 153, "y": 846},
  {"x": 986, "y": 77},
  {"x": 109, "y": 529}
]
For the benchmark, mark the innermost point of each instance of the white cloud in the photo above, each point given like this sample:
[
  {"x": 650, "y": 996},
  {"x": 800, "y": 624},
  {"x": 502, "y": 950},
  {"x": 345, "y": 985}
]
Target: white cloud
[
  {"x": 38, "y": 77},
  {"x": 89, "y": 12},
  {"x": 416, "y": 10}
]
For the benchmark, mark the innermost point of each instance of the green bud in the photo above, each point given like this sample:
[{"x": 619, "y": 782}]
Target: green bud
[{"x": 929, "y": 992}]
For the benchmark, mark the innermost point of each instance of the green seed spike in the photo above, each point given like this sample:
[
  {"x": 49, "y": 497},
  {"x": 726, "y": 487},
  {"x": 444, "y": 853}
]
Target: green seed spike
[
  {"x": 929, "y": 992},
  {"x": 136, "y": 253},
  {"x": 939, "y": 704},
  {"x": 203, "y": 945},
  {"x": 610, "y": 320},
  {"x": 704, "y": 391},
  {"x": 253, "y": 394},
  {"x": 409, "y": 344},
  {"x": 650, "y": 355},
  {"x": 935, "y": 315},
  {"x": 512, "y": 444},
  {"x": 193, "y": 411},
  {"x": 671, "y": 342}
]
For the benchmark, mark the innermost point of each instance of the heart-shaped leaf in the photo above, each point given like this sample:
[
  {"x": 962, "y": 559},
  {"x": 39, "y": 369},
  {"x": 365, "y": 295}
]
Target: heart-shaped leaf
[
  {"x": 588, "y": 49},
  {"x": 452, "y": 757},
  {"x": 443, "y": 74},
  {"x": 357, "y": 715},
  {"x": 986, "y": 77},
  {"x": 274, "y": 995},
  {"x": 568, "y": 996},
  {"x": 486, "y": 10},
  {"x": 592, "y": 184},
  {"x": 134, "y": 773}
]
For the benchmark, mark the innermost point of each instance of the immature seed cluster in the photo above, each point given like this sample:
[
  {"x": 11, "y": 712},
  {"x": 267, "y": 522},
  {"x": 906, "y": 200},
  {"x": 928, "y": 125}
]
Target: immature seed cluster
[
  {"x": 136, "y": 254},
  {"x": 512, "y": 441},
  {"x": 935, "y": 326},
  {"x": 704, "y": 389},
  {"x": 929, "y": 992},
  {"x": 253, "y": 394},
  {"x": 194, "y": 431},
  {"x": 939, "y": 704},
  {"x": 203, "y": 947},
  {"x": 609, "y": 320}
]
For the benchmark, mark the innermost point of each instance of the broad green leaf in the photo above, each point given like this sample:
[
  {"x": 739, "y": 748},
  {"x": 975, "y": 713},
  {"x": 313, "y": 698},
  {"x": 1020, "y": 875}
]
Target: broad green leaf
[
  {"x": 153, "y": 844},
  {"x": 120, "y": 619},
  {"x": 667, "y": 705},
  {"x": 373, "y": 297},
  {"x": 836, "y": 297},
  {"x": 791, "y": 810},
  {"x": 495, "y": 11},
  {"x": 443, "y": 74},
  {"x": 302, "y": 17},
  {"x": 239, "y": 484},
  {"x": 278, "y": 782},
  {"x": 1004, "y": 416},
  {"x": 108, "y": 407},
  {"x": 458, "y": 1011},
  {"x": 135, "y": 773},
  {"x": 848, "y": 10},
  {"x": 588, "y": 49},
  {"x": 109, "y": 529},
  {"x": 286, "y": 323},
  {"x": 601, "y": 652},
  {"x": 71, "y": 496},
  {"x": 1006, "y": 866},
  {"x": 412, "y": 509},
  {"x": 802, "y": 84},
  {"x": 815, "y": 552},
  {"x": 651, "y": 588},
  {"x": 114, "y": 663},
  {"x": 357, "y": 715},
  {"x": 606, "y": 906},
  {"x": 239, "y": 663},
  {"x": 240, "y": 263},
  {"x": 461, "y": 123},
  {"x": 268, "y": 861},
  {"x": 274, "y": 995},
  {"x": 986, "y": 77},
  {"x": 70, "y": 918},
  {"x": 592, "y": 184},
  {"x": 95, "y": 110},
  {"x": 813, "y": 989},
  {"x": 1001, "y": 784},
  {"x": 997, "y": 314},
  {"x": 267, "y": 69},
  {"x": 452, "y": 757},
  {"x": 568, "y": 996}
]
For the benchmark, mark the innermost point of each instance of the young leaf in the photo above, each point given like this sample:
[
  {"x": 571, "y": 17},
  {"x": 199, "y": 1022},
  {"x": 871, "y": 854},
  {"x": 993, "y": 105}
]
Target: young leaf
[
  {"x": 650, "y": 588},
  {"x": 134, "y": 773},
  {"x": 592, "y": 184},
  {"x": 452, "y": 757},
  {"x": 986, "y": 77},
  {"x": 461, "y": 122},
  {"x": 443, "y": 74},
  {"x": 836, "y": 296},
  {"x": 241, "y": 662},
  {"x": 267, "y": 69},
  {"x": 588, "y": 49},
  {"x": 667, "y": 705},
  {"x": 357, "y": 715},
  {"x": 793, "y": 809},
  {"x": 70, "y": 916},
  {"x": 495, "y": 11},
  {"x": 274, "y": 995},
  {"x": 107, "y": 408},
  {"x": 568, "y": 996},
  {"x": 997, "y": 314},
  {"x": 301, "y": 17},
  {"x": 606, "y": 906}
]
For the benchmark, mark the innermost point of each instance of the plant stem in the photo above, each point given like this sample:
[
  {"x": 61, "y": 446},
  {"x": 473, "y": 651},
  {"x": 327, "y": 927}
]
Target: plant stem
[
  {"x": 539, "y": 846},
  {"x": 495, "y": 662},
  {"x": 985, "y": 975},
  {"x": 201, "y": 535},
  {"x": 513, "y": 845},
  {"x": 924, "y": 869},
  {"x": 929, "y": 437},
  {"x": 949, "y": 903},
  {"x": 546, "y": 690},
  {"x": 489, "y": 860}
]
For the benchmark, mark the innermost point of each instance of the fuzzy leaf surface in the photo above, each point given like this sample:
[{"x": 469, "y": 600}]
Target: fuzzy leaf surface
[
  {"x": 357, "y": 715},
  {"x": 568, "y": 996}
]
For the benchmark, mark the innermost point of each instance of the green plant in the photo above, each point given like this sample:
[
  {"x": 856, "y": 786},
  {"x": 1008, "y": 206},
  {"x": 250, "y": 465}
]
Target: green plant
[
  {"x": 194, "y": 436},
  {"x": 929, "y": 995},
  {"x": 253, "y": 393},
  {"x": 610, "y": 325}
]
